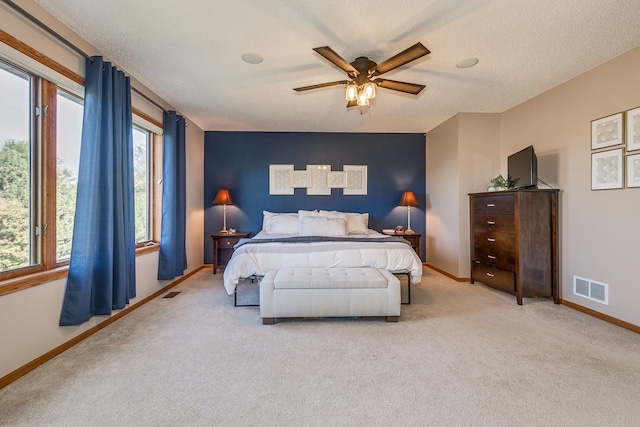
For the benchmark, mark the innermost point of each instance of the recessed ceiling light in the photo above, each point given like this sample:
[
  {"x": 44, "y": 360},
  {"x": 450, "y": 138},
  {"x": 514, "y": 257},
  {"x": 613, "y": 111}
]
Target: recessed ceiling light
[
  {"x": 467, "y": 63},
  {"x": 252, "y": 58}
]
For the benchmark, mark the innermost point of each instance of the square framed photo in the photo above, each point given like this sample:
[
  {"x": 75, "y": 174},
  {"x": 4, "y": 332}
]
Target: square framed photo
[
  {"x": 280, "y": 179},
  {"x": 633, "y": 129},
  {"x": 607, "y": 170},
  {"x": 300, "y": 179},
  {"x": 633, "y": 171},
  {"x": 319, "y": 185},
  {"x": 607, "y": 132},
  {"x": 337, "y": 179},
  {"x": 356, "y": 180}
]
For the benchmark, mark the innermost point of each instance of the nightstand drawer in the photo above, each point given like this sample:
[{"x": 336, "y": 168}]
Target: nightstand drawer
[{"x": 227, "y": 242}]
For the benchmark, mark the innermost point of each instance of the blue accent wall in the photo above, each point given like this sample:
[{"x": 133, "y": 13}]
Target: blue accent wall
[{"x": 239, "y": 161}]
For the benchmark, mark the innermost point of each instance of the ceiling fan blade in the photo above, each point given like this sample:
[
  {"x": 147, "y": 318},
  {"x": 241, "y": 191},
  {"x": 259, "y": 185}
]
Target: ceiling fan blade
[
  {"x": 318, "y": 86},
  {"x": 337, "y": 60},
  {"x": 414, "y": 52},
  {"x": 352, "y": 104},
  {"x": 411, "y": 88}
]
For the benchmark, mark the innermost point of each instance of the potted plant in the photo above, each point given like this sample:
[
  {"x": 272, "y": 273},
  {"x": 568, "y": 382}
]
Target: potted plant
[{"x": 500, "y": 183}]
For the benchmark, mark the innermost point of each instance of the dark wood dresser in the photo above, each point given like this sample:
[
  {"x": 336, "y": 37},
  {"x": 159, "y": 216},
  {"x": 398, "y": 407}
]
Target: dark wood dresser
[{"x": 514, "y": 242}]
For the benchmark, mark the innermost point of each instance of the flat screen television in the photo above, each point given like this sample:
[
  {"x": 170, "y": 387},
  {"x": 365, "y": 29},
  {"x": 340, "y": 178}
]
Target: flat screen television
[{"x": 523, "y": 166}]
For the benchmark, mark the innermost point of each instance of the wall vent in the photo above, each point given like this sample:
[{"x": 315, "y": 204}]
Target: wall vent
[{"x": 590, "y": 289}]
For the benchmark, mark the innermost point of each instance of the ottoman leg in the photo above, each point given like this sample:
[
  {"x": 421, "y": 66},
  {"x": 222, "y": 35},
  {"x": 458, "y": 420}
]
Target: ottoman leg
[{"x": 392, "y": 318}]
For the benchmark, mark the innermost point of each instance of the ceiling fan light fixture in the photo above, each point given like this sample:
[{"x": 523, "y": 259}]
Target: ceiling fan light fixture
[
  {"x": 370, "y": 90},
  {"x": 351, "y": 94},
  {"x": 363, "y": 101}
]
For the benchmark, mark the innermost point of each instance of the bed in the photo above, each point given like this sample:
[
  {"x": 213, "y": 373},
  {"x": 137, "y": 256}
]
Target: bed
[{"x": 319, "y": 239}]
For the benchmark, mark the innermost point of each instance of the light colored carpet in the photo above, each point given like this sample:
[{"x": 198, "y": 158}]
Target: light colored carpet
[{"x": 462, "y": 355}]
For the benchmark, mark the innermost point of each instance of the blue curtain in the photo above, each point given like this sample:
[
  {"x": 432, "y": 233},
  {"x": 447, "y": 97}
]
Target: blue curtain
[
  {"x": 173, "y": 257},
  {"x": 102, "y": 273}
]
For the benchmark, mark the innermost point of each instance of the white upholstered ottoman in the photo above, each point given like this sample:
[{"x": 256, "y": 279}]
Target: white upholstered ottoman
[{"x": 329, "y": 292}]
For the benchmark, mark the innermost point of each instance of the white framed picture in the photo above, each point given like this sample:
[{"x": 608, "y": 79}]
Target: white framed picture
[
  {"x": 319, "y": 184},
  {"x": 607, "y": 132},
  {"x": 633, "y": 170},
  {"x": 280, "y": 179},
  {"x": 300, "y": 179},
  {"x": 356, "y": 176},
  {"x": 633, "y": 129},
  {"x": 337, "y": 179},
  {"x": 607, "y": 170}
]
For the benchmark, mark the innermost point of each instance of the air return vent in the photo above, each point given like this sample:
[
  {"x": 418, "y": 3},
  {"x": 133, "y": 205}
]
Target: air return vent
[{"x": 591, "y": 289}]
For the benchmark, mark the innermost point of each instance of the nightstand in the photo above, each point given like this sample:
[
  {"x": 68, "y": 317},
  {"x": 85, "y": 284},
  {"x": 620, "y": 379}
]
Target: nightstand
[
  {"x": 413, "y": 239},
  {"x": 223, "y": 247}
]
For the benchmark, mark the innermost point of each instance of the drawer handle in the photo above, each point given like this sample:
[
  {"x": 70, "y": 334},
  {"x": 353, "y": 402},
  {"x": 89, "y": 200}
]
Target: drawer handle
[
  {"x": 491, "y": 256},
  {"x": 491, "y": 222},
  {"x": 491, "y": 205},
  {"x": 490, "y": 275},
  {"x": 491, "y": 239}
]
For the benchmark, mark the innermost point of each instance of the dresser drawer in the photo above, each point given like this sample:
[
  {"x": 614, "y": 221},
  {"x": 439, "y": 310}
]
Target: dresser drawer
[
  {"x": 490, "y": 204},
  {"x": 494, "y": 241},
  {"x": 495, "y": 257},
  {"x": 496, "y": 278},
  {"x": 499, "y": 223}
]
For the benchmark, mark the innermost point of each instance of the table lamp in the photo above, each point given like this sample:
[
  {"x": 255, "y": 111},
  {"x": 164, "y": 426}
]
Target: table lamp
[
  {"x": 408, "y": 199},
  {"x": 223, "y": 198}
]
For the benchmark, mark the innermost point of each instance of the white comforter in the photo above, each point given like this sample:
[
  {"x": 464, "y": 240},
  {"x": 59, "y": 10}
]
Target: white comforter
[{"x": 257, "y": 259}]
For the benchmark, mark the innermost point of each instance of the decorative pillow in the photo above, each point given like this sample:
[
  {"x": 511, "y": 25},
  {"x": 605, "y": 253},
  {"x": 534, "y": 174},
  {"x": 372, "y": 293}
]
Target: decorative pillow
[
  {"x": 322, "y": 226},
  {"x": 304, "y": 214},
  {"x": 357, "y": 223},
  {"x": 280, "y": 223}
]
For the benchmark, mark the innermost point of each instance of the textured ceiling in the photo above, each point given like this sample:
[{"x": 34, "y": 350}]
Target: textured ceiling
[{"x": 189, "y": 53}]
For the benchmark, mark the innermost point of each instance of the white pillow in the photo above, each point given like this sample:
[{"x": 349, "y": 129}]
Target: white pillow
[
  {"x": 322, "y": 226},
  {"x": 357, "y": 223},
  {"x": 304, "y": 214},
  {"x": 280, "y": 223}
]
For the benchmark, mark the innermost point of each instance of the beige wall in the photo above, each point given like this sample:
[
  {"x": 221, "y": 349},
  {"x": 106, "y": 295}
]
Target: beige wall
[
  {"x": 462, "y": 156},
  {"x": 29, "y": 318},
  {"x": 442, "y": 210},
  {"x": 598, "y": 229}
]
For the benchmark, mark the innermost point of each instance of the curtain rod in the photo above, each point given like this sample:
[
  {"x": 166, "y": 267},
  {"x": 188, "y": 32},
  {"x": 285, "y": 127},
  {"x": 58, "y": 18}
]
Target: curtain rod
[{"x": 71, "y": 45}]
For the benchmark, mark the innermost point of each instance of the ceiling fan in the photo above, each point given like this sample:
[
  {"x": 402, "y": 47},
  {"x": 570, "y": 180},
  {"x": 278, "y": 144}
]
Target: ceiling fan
[{"x": 361, "y": 86}]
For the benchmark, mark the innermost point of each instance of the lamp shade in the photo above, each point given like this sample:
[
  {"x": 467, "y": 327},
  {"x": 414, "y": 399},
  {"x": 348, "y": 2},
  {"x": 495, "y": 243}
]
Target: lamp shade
[
  {"x": 223, "y": 198},
  {"x": 408, "y": 199}
]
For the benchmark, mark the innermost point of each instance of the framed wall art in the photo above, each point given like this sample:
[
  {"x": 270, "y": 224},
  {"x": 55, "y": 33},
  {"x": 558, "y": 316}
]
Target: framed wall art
[
  {"x": 633, "y": 170},
  {"x": 633, "y": 129},
  {"x": 280, "y": 179},
  {"x": 337, "y": 179},
  {"x": 300, "y": 179},
  {"x": 607, "y": 170},
  {"x": 319, "y": 185},
  {"x": 356, "y": 177},
  {"x": 607, "y": 132}
]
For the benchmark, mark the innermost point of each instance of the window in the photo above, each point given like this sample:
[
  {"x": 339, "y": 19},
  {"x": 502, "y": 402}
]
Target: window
[
  {"x": 18, "y": 240},
  {"x": 40, "y": 138},
  {"x": 69, "y": 110},
  {"x": 141, "y": 183}
]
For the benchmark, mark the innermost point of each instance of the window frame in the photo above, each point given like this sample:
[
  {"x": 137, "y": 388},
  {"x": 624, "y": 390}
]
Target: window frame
[{"x": 43, "y": 144}]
